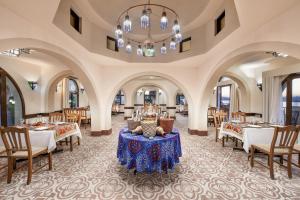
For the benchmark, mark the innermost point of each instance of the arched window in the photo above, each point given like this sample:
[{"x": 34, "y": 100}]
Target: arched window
[
  {"x": 73, "y": 94},
  {"x": 120, "y": 98},
  {"x": 12, "y": 107},
  {"x": 180, "y": 99},
  {"x": 291, "y": 99}
]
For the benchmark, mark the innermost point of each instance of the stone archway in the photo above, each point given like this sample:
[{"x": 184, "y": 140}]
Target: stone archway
[
  {"x": 75, "y": 67},
  {"x": 133, "y": 76},
  {"x": 227, "y": 61}
]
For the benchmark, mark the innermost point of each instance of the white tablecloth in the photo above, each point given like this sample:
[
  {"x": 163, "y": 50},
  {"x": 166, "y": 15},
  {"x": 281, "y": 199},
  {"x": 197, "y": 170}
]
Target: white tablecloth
[
  {"x": 47, "y": 138},
  {"x": 251, "y": 136}
]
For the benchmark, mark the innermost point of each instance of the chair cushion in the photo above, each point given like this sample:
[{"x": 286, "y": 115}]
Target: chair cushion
[
  {"x": 266, "y": 148},
  {"x": 2, "y": 149},
  {"x": 297, "y": 147},
  {"x": 35, "y": 151}
]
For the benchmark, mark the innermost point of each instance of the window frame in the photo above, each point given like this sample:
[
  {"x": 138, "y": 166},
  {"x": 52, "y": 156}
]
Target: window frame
[
  {"x": 3, "y": 92},
  {"x": 289, "y": 96}
]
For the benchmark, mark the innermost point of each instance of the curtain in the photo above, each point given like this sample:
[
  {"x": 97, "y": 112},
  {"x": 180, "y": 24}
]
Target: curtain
[
  {"x": 272, "y": 99},
  {"x": 233, "y": 99}
]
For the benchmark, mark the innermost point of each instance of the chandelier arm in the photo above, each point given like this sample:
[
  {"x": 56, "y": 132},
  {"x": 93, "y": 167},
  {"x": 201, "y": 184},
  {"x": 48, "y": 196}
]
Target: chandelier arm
[{"x": 142, "y": 5}]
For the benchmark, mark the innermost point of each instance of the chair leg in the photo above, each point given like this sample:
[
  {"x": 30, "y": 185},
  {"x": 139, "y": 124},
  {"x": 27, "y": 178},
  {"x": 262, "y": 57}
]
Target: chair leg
[
  {"x": 299, "y": 159},
  {"x": 223, "y": 141},
  {"x": 71, "y": 143},
  {"x": 78, "y": 140},
  {"x": 252, "y": 156},
  {"x": 227, "y": 138},
  {"x": 271, "y": 157},
  {"x": 67, "y": 141},
  {"x": 236, "y": 142},
  {"x": 217, "y": 135},
  {"x": 289, "y": 165},
  {"x": 50, "y": 160},
  {"x": 29, "y": 171},
  {"x": 10, "y": 169},
  {"x": 281, "y": 159}
]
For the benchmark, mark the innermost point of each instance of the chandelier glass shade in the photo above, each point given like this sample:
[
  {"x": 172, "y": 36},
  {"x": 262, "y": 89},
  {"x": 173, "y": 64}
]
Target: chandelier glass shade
[{"x": 141, "y": 34}]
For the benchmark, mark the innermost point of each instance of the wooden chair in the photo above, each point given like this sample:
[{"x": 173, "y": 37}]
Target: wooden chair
[
  {"x": 219, "y": 117},
  {"x": 73, "y": 118},
  {"x": 239, "y": 115},
  {"x": 210, "y": 115},
  {"x": 297, "y": 151},
  {"x": 56, "y": 117},
  {"x": 282, "y": 144},
  {"x": 17, "y": 145},
  {"x": 3, "y": 155},
  {"x": 83, "y": 115}
]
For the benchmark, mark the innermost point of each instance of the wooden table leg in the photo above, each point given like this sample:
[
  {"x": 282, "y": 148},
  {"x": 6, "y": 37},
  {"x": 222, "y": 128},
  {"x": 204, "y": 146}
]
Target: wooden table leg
[{"x": 71, "y": 143}]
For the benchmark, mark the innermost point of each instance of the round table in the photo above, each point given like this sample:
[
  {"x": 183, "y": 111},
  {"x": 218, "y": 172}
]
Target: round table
[{"x": 149, "y": 155}]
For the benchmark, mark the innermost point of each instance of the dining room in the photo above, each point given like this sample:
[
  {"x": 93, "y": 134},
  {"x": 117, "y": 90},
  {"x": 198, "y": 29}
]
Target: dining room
[{"x": 149, "y": 99}]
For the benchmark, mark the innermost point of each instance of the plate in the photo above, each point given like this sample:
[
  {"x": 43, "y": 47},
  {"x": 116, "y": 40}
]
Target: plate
[
  {"x": 254, "y": 126},
  {"x": 42, "y": 128}
]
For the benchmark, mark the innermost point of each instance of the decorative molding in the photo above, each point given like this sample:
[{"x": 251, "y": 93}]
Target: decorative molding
[
  {"x": 129, "y": 107},
  {"x": 101, "y": 133},
  {"x": 138, "y": 104},
  {"x": 171, "y": 108},
  {"x": 197, "y": 132}
]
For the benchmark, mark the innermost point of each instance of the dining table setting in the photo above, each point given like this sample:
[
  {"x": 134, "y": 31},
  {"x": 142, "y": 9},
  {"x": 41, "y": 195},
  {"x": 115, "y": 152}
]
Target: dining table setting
[
  {"x": 249, "y": 132},
  {"x": 48, "y": 134}
]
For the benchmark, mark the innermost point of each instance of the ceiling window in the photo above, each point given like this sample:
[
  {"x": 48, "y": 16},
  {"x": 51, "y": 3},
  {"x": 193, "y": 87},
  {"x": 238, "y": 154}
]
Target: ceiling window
[
  {"x": 75, "y": 21},
  {"x": 220, "y": 23}
]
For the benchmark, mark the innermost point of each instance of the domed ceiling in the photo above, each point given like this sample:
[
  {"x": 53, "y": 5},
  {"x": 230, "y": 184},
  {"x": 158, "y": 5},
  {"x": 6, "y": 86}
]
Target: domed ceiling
[{"x": 188, "y": 11}]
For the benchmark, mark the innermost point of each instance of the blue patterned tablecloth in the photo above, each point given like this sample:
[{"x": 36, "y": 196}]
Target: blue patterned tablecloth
[{"x": 149, "y": 155}]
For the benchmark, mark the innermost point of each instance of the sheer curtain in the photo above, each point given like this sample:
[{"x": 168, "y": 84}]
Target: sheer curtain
[{"x": 272, "y": 99}]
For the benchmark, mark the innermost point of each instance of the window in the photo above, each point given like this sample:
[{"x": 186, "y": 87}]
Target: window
[
  {"x": 75, "y": 21},
  {"x": 111, "y": 44},
  {"x": 180, "y": 99},
  {"x": 220, "y": 23},
  {"x": 223, "y": 98},
  {"x": 185, "y": 45},
  {"x": 73, "y": 94},
  {"x": 12, "y": 107},
  {"x": 291, "y": 99},
  {"x": 120, "y": 98},
  {"x": 149, "y": 97}
]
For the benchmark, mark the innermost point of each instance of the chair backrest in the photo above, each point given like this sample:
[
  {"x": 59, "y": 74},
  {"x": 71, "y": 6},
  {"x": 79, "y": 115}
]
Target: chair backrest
[
  {"x": 219, "y": 117},
  {"x": 285, "y": 137},
  {"x": 73, "y": 118},
  {"x": 211, "y": 111},
  {"x": 239, "y": 115},
  {"x": 16, "y": 139},
  {"x": 82, "y": 112},
  {"x": 56, "y": 117}
]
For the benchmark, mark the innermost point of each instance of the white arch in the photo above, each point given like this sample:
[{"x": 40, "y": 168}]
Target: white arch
[
  {"x": 231, "y": 58},
  {"x": 66, "y": 58},
  {"x": 151, "y": 73}
]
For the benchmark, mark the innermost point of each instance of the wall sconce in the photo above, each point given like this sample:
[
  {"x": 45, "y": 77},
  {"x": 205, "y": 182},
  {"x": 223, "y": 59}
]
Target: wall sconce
[
  {"x": 82, "y": 90},
  {"x": 259, "y": 85},
  {"x": 32, "y": 84}
]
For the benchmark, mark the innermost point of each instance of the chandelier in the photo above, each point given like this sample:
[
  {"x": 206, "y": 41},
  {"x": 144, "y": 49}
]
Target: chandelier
[{"x": 128, "y": 24}]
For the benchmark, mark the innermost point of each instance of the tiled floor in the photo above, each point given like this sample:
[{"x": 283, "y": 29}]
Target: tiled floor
[{"x": 206, "y": 171}]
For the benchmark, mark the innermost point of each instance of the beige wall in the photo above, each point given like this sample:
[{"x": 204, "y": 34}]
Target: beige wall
[{"x": 268, "y": 28}]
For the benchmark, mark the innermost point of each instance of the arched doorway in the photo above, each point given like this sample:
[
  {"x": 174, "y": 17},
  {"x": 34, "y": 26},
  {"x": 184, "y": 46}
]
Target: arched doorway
[
  {"x": 291, "y": 99},
  {"x": 12, "y": 105}
]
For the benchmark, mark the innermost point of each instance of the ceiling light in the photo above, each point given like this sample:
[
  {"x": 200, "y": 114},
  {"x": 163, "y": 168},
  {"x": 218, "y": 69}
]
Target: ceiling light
[
  {"x": 148, "y": 13},
  {"x": 139, "y": 50},
  {"x": 178, "y": 36},
  {"x": 16, "y": 52},
  {"x": 145, "y": 19},
  {"x": 173, "y": 44},
  {"x": 119, "y": 32},
  {"x": 164, "y": 21},
  {"x": 128, "y": 48},
  {"x": 120, "y": 42},
  {"x": 176, "y": 26},
  {"x": 163, "y": 49},
  {"x": 127, "y": 24}
]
